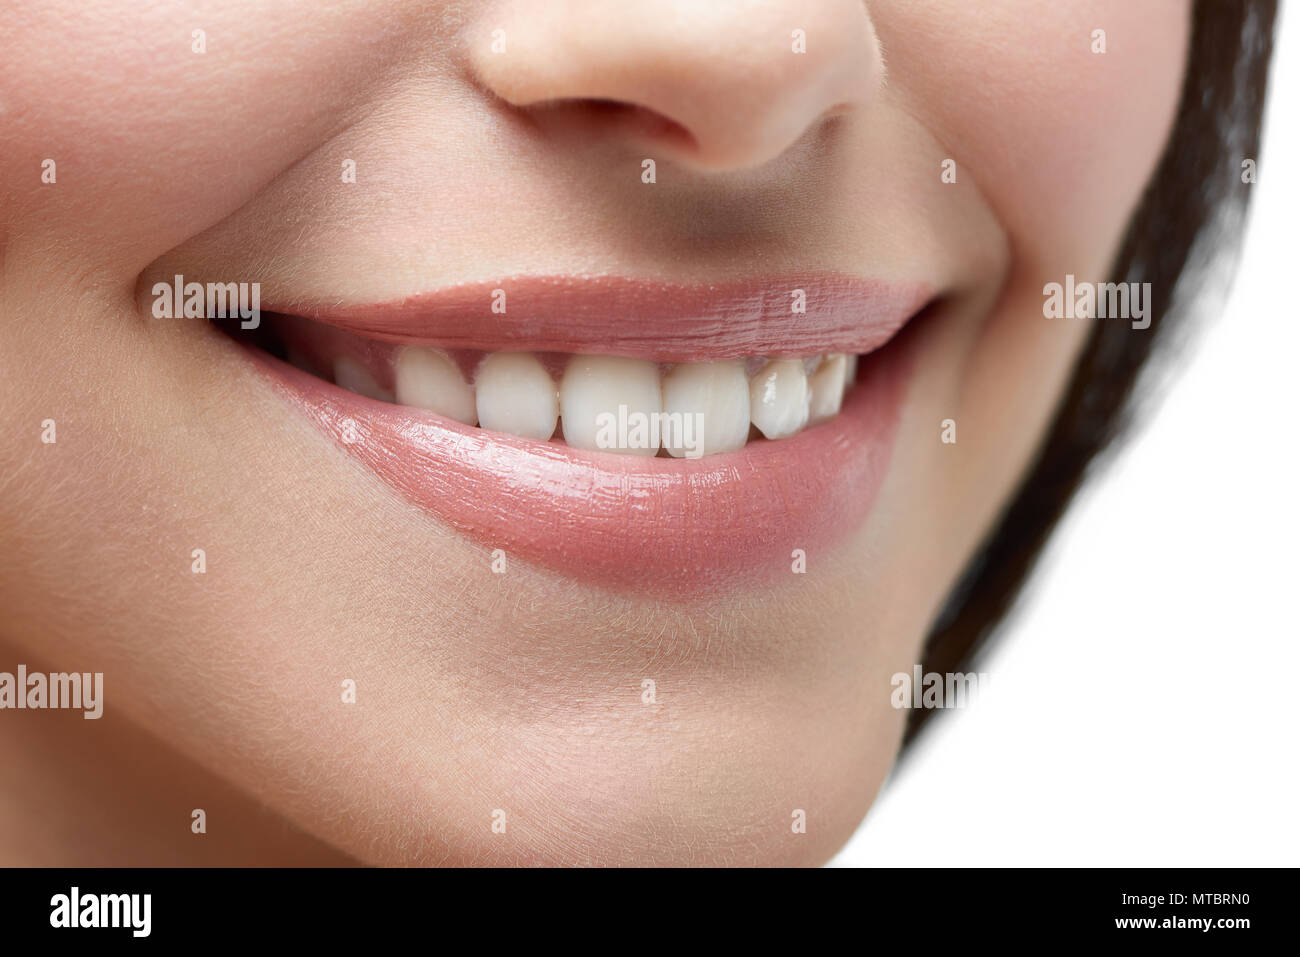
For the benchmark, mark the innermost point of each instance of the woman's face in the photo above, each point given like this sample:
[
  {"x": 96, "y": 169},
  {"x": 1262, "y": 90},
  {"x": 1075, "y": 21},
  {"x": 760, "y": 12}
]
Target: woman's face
[{"x": 621, "y": 658}]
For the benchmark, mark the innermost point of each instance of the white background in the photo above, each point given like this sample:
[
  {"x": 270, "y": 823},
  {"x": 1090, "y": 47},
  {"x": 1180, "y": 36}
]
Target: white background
[{"x": 1146, "y": 699}]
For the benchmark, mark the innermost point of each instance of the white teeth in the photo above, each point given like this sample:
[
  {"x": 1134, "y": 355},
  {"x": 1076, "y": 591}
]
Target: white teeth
[
  {"x": 428, "y": 379},
  {"x": 515, "y": 394},
  {"x": 707, "y": 404},
  {"x": 353, "y": 376},
  {"x": 611, "y": 404},
  {"x": 778, "y": 398},
  {"x": 827, "y": 386}
]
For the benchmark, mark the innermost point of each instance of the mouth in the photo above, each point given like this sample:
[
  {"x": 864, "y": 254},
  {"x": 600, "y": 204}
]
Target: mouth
[{"x": 625, "y": 432}]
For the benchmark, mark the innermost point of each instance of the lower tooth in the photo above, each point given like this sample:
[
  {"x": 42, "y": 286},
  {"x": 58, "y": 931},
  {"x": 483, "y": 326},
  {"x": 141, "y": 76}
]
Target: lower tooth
[
  {"x": 353, "y": 376},
  {"x": 428, "y": 379},
  {"x": 778, "y": 398}
]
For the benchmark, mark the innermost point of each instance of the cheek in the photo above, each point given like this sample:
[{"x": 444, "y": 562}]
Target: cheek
[
  {"x": 162, "y": 118},
  {"x": 1059, "y": 138}
]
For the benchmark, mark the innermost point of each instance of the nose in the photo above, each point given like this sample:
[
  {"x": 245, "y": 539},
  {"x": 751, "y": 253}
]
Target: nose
[{"x": 718, "y": 84}]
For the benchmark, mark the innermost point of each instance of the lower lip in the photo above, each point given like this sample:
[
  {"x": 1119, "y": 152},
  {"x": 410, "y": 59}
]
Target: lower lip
[{"x": 628, "y": 522}]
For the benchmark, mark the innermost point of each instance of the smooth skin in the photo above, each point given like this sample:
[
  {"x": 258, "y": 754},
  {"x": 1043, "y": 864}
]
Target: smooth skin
[{"x": 478, "y": 692}]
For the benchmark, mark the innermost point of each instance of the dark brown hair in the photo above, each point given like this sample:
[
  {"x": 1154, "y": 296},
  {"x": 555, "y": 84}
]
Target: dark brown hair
[{"x": 1190, "y": 216}]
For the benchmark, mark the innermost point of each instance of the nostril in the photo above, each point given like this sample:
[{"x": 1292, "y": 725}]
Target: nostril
[{"x": 615, "y": 119}]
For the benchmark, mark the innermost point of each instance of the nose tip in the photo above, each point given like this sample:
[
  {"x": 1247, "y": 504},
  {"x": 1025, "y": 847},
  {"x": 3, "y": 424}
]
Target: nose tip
[{"x": 733, "y": 83}]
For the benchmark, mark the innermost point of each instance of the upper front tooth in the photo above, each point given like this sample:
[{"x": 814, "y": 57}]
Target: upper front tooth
[
  {"x": 609, "y": 403},
  {"x": 711, "y": 400},
  {"x": 827, "y": 387},
  {"x": 430, "y": 380},
  {"x": 516, "y": 395},
  {"x": 353, "y": 376},
  {"x": 778, "y": 398}
]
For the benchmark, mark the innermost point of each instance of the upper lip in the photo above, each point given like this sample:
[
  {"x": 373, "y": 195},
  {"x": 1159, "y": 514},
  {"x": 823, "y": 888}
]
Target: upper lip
[{"x": 795, "y": 315}]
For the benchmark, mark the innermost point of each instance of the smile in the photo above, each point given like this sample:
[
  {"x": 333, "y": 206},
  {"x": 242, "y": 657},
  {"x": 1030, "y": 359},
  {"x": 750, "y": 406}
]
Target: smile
[{"x": 631, "y": 433}]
